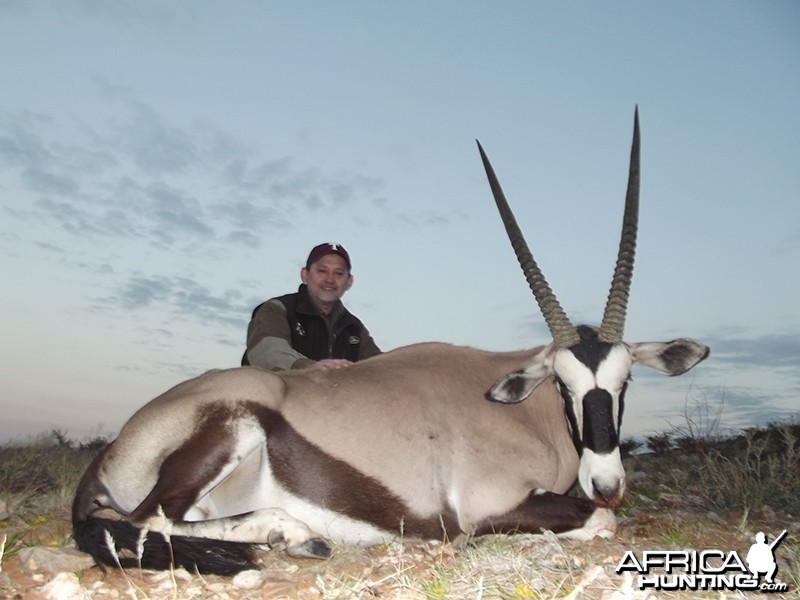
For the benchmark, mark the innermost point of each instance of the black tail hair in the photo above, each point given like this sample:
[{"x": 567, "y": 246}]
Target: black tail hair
[{"x": 203, "y": 555}]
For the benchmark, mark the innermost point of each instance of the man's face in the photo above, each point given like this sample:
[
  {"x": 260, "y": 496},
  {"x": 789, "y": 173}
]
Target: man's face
[{"x": 327, "y": 280}]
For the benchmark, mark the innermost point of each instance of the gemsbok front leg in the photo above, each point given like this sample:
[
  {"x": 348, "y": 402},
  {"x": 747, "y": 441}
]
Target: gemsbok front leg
[
  {"x": 273, "y": 527},
  {"x": 566, "y": 516}
]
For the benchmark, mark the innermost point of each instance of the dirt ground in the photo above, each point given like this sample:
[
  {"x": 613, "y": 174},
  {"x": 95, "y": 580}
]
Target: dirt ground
[{"x": 493, "y": 567}]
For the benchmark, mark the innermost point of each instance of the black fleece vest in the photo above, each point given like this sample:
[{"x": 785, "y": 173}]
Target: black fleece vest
[{"x": 309, "y": 331}]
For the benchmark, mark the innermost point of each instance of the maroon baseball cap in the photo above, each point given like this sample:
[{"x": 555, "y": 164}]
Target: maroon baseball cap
[{"x": 327, "y": 248}]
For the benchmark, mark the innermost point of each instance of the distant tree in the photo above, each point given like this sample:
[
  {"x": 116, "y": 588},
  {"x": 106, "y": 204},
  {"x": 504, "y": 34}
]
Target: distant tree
[
  {"x": 628, "y": 446},
  {"x": 61, "y": 439},
  {"x": 659, "y": 442},
  {"x": 692, "y": 445},
  {"x": 95, "y": 444}
]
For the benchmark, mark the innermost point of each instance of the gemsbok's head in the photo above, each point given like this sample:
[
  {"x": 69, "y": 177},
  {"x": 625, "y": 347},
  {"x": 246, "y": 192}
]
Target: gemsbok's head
[{"x": 591, "y": 365}]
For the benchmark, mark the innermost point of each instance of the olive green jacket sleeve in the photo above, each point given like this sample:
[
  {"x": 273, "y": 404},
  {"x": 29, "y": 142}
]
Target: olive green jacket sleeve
[
  {"x": 368, "y": 346},
  {"x": 269, "y": 344}
]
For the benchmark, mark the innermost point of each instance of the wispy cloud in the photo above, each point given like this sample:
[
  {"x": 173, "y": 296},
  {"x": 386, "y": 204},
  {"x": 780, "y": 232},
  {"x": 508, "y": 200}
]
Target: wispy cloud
[
  {"x": 733, "y": 408},
  {"x": 140, "y": 291},
  {"x": 787, "y": 244},
  {"x": 145, "y": 177},
  {"x": 151, "y": 143},
  {"x": 179, "y": 296},
  {"x": 772, "y": 350},
  {"x": 142, "y": 203},
  {"x": 151, "y": 19}
]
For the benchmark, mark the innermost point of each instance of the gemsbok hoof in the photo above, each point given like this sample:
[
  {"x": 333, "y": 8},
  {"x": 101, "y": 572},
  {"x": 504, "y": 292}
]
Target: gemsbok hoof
[
  {"x": 602, "y": 524},
  {"x": 313, "y": 548}
]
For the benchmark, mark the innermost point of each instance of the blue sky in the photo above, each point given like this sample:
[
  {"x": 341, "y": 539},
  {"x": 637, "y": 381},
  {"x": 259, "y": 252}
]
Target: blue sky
[{"x": 164, "y": 167}]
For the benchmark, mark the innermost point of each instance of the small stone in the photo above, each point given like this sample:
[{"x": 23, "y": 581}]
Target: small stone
[
  {"x": 763, "y": 513},
  {"x": 279, "y": 589},
  {"x": 637, "y": 476},
  {"x": 248, "y": 580},
  {"x": 65, "y": 586},
  {"x": 54, "y": 559}
]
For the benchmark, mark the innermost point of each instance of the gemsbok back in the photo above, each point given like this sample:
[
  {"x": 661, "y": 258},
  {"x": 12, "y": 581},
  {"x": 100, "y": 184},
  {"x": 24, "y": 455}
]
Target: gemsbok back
[{"x": 429, "y": 440}]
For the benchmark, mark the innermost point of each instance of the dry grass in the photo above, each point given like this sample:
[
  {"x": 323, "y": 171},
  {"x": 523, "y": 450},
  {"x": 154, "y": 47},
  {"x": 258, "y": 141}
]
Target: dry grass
[{"x": 740, "y": 472}]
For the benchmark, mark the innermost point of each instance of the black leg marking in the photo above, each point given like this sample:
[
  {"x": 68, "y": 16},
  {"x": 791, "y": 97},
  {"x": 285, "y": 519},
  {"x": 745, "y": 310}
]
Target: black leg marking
[{"x": 538, "y": 512}]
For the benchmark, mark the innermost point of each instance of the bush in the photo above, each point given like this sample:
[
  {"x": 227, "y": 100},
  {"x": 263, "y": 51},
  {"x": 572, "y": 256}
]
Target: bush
[
  {"x": 44, "y": 471},
  {"x": 628, "y": 446},
  {"x": 731, "y": 471},
  {"x": 761, "y": 467},
  {"x": 659, "y": 443}
]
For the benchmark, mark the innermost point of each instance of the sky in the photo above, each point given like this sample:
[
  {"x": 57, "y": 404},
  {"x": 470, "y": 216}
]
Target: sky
[{"x": 167, "y": 166}]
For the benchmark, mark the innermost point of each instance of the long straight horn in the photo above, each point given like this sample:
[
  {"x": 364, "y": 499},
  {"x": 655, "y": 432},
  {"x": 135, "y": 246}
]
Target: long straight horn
[
  {"x": 563, "y": 332},
  {"x": 613, "y": 323}
]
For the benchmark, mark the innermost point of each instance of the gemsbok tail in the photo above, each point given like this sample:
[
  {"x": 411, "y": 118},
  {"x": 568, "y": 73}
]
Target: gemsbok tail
[{"x": 133, "y": 550}]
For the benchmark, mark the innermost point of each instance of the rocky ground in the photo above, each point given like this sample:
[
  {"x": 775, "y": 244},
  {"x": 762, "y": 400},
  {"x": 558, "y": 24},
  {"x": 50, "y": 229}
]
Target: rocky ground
[{"x": 43, "y": 564}]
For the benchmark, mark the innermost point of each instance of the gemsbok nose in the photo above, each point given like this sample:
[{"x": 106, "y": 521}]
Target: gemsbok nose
[{"x": 608, "y": 494}]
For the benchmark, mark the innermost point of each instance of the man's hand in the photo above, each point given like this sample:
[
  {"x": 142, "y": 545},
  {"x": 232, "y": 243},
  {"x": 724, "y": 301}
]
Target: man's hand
[{"x": 330, "y": 363}]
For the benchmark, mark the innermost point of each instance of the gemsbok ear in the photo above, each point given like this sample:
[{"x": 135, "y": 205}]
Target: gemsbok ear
[
  {"x": 673, "y": 358},
  {"x": 518, "y": 385}
]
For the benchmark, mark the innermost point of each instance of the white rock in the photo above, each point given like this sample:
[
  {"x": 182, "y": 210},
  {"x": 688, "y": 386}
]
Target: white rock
[
  {"x": 248, "y": 580},
  {"x": 54, "y": 559},
  {"x": 65, "y": 586}
]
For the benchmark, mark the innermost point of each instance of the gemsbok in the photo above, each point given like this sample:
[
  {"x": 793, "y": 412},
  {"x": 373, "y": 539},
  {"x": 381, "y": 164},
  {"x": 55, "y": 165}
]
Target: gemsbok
[{"x": 429, "y": 440}]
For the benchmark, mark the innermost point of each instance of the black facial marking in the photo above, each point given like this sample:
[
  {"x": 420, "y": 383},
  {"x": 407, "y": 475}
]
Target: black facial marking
[
  {"x": 590, "y": 350},
  {"x": 621, "y": 407},
  {"x": 599, "y": 433},
  {"x": 569, "y": 411}
]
